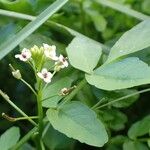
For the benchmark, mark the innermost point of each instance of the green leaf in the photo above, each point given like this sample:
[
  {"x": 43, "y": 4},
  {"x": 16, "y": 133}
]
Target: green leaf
[
  {"x": 98, "y": 19},
  {"x": 114, "y": 119},
  {"x": 131, "y": 145},
  {"x": 148, "y": 142},
  {"x": 53, "y": 90},
  {"x": 123, "y": 74},
  {"x": 84, "y": 54},
  {"x": 146, "y": 6},
  {"x": 10, "y": 44},
  {"x": 79, "y": 122},
  {"x": 9, "y": 138},
  {"x": 26, "y": 146},
  {"x": 140, "y": 128},
  {"x": 115, "y": 143},
  {"x": 17, "y": 5},
  {"x": 132, "y": 41},
  {"x": 55, "y": 140}
]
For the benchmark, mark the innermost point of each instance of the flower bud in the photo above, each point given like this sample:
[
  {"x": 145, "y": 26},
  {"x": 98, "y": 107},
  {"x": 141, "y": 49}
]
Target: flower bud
[
  {"x": 57, "y": 68},
  {"x": 16, "y": 74}
]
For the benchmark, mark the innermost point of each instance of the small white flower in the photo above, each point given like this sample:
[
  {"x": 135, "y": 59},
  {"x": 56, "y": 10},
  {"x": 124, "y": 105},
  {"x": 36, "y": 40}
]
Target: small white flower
[
  {"x": 50, "y": 51},
  {"x": 25, "y": 55},
  {"x": 62, "y": 62},
  {"x": 45, "y": 75}
]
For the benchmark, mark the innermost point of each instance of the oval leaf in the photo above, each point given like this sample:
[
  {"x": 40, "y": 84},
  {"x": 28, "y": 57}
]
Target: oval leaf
[
  {"x": 79, "y": 122},
  {"x": 133, "y": 40},
  {"x": 9, "y": 138},
  {"x": 119, "y": 75},
  {"x": 84, "y": 54},
  {"x": 140, "y": 128},
  {"x": 134, "y": 145}
]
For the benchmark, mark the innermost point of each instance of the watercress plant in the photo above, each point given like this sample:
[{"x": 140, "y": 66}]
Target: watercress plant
[{"x": 79, "y": 86}]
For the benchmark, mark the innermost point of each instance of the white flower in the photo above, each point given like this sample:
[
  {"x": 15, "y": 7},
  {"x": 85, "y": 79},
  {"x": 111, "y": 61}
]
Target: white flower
[
  {"x": 62, "y": 62},
  {"x": 50, "y": 51},
  {"x": 45, "y": 75},
  {"x": 25, "y": 55}
]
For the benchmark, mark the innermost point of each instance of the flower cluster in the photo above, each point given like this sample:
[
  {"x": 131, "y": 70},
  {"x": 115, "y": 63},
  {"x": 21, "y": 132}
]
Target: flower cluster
[{"x": 38, "y": 56}]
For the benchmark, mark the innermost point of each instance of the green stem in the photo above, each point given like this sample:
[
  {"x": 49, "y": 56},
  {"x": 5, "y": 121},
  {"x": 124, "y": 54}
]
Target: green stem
[
  {"x": 97, "y": 104},
  {"x": 124, "y": 97},
  {"x": 83, "y": 19},
  {"x": 24, "y": 139},
  {"x": 24, "y": 118},
  {"x": 5, "y": 96},
  {"x": 12, "y": 119},
  {"x": 30, "y": 87},
  {"x": 40, "y": 112},
  {"x": 74, "y": 92}
]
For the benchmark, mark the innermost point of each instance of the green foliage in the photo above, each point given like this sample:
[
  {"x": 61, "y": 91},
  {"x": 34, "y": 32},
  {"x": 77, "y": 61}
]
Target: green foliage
[
  {"x": 140, "y": 128},
  {"x": 9, "y": 45},
  {"x": 93, "y": 36},
  {"x": 85, "y": 52},
  {"x": 114, "y": 119},
  {"x": 9, "y": 138},
  {"x": 79, "y": 122},
  {"x": 55, "y": 140},
  {"x": 51, "y": 94},
  {"x": 122, "y": 74},
  {"x": 125, "y": 46},
  {"x": 17, "y": 5},
  {"x": 134, "y": 146}
]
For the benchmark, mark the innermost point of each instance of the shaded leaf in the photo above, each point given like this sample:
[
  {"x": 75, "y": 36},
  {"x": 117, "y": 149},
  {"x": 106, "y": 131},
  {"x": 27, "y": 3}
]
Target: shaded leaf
[
  {"x": 79, "y": 122},
  {"x": 55, "y": 140},
  {"x": 131, "y": 145},
  {"x": 9, "y": 138},
  {"x": 140, "y": 128}
]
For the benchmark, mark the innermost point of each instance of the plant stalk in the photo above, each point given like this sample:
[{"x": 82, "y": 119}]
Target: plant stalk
[
  {"x": 25, "y": 139},
  {"x": 5, "y": 96},
  {"x": 122, "y": 98}
]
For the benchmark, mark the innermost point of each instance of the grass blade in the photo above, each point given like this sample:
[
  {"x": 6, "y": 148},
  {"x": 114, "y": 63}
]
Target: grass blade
[
  {"x": 123, "y": 9},
  {"x": 9, "y": 45},
  {"x": 52, "y": 24}
]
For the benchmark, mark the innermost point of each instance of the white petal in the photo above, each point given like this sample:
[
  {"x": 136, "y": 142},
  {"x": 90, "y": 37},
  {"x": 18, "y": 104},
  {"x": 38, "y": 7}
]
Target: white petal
[
  {"x": 46, "y": 46},
  {"x": 53, "y": 47},
  {"x": 49, "y": 74},
  {"x": 66, "y": 64},
  {"x": 23, "y": 59},
  {"x": 47, "y": 80},
  {"x": 24, "y": 50},
  {"x": 17, "y": 56},
  {"x": 61, "y": 57},
  {"x": 40, "y": 75},
  {"x": 46, "y": 53},
  {"x": 44, "y": 70}
]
